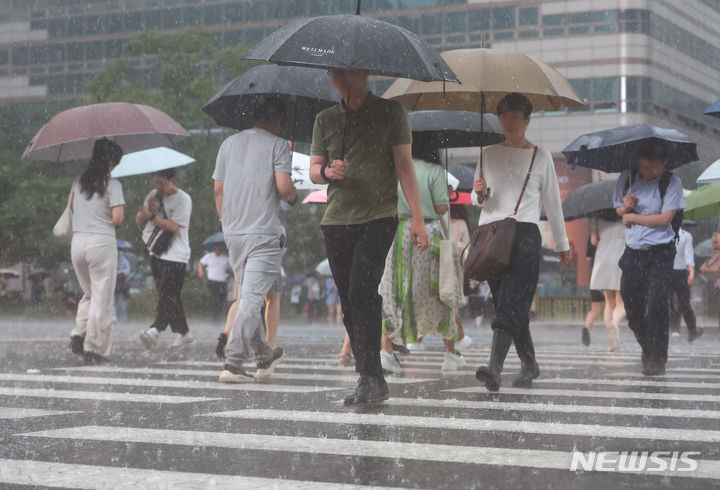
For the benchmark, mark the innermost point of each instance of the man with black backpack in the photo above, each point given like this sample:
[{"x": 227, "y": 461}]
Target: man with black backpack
[{"x": 650, "y": 201}]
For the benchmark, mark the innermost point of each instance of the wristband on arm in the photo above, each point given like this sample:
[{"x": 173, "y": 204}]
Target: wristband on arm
[{"x": 325, "y": 177}]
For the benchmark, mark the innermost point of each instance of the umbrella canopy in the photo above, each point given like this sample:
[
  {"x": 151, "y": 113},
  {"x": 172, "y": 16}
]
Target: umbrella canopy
[
  {"x": 39, "y": 273},
  {"x": 124, "y": 245},
  {"x": 303, "y": 92},
  {"x": 704, "y": 248},
  {"x": 316, "y": 197},
  {"x": 465, "y": 175},
  {"x": 353, "y": 42},
  {"x": 711, "y": 174},
  {"x": 149, "y": 161},
  {"x": 589, "y": 199},
  {"x": 214, "y": 239},
  {"x": 486, "y": 76},
  {"x": 455, "y": 129},
  {"x": 323, "y": 268},
  {"x": 615, "y": 150},
  {"x": 714, "y": 109},
  {"x": 71, "y": 134},
  {"x": 301, "y": 173},
  {"x": 9, "y": 274},
  {"x": 703, "y": 202}
]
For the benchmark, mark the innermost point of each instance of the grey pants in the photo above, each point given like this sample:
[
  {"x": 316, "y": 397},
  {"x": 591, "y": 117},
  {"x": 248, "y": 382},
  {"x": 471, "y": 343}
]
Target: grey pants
[{"x": 256, "y": 261}]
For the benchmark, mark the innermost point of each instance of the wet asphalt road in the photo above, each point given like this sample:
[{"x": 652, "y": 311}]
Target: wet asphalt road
[{"x": 161, "y": 420}]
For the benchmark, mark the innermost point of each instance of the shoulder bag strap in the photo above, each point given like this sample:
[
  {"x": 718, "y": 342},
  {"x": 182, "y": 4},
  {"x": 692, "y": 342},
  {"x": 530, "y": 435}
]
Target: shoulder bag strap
[{"x": 527, "y": 178}]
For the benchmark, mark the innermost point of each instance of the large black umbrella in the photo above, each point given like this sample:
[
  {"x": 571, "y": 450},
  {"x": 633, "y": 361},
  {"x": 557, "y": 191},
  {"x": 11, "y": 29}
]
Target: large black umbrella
[
  {"x": 303, "y": 91},
  {"x": 615, "y": 150},
  {"x": 590, "y": 199},
  {"x": 455, "y": 129},
  {"x": 353, "y": 42},
  {"x": 465, "y": 175},
  {"x": 714, "y": 109}
]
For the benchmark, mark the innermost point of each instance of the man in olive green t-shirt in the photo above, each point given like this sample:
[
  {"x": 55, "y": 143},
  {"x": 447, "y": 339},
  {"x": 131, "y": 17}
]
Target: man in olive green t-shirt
[{"x": 361, "y": 147}]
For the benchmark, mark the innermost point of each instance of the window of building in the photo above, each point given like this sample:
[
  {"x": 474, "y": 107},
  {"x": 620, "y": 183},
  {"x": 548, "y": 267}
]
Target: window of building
[
  {"x": 75, "y": 26},
  {"x": 578, "y": 30},
  {"x": 133, "y": 21},
  {"x": 273, "y": 9},
  {"x": 528, "y": 16},
  {"x": 172, "y": 18},
  {"x": 431, "y": 24},
  {"x": 20, "y": 55},
  {"x": 38, "y": 55},
  {"x": 253, "y": 36},
  {"x": 4, "y": 57},
  {"x": 605, "y": 93},
  {"x": 479, "y": 20},
  {"x": 528, "y": 34},
  {"x": 583, "y": 86},
  {"x": 57, "y": 27},
  {"x": 554, "y": 20},
  {"x": 93, "y": 51},
  {"x": 605, "y": 28},
  {"x": 152, "y": 19},
  {"x": 456, "y": 22},
  {"x": 93, "y": 25},
  {"x": 555, "y": 32},
  {"x": 56, "y": 53},
  {"x": 409, "y": 22},
  {"x": 255, "y": 10},
  {"x": 192, "y": 16},
  {"x": 213, "y": 14},
  {"x": 296, "y": 8},
  {"x": 503, "y": 18},
  {"x": 455, "y": 39},
  {"x": 56, "y": 84},
  {"x": 503, "y": 36},
  {"x": 75, "y": 52},
  {"x": 342, "y": 6},
  {"x": 113, "y": 23},
  {"x": 36, "y": 25},
  {"x": 234, "y": 12},
  {"x": 318, "y": 7},
  {"x": 233, "y": 38},
  {"x": 113, "y": 49}
]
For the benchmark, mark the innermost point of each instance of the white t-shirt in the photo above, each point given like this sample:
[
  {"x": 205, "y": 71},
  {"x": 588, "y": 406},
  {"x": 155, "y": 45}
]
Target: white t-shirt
[
  {"x": 178, "y": 208},
  {"x": 246, "y": 164},
  {"x": 94, "y": 215},
  {"x": 505, "y": 169},
  {"x": 684, "y": 255},
  {"x": 217, "y": 266}
]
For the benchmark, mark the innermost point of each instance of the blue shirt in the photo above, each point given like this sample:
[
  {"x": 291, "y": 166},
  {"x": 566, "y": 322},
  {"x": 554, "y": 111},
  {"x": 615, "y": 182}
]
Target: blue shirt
[
  {"x": 123, "y": 265},
  {"x": 650, "y": 202}
]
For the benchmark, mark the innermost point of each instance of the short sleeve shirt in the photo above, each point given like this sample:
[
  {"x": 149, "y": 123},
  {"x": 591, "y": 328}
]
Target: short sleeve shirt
[
  {"x": 178, "y": 208},
  {"x": 246, "y": 164},
  {"x": 433, "y": 191},
  {"x": 650, "y": 202},
  {"x": 369, "y": 189},
  {"x": 94, "y": 215},
  {"x": 217, "y": 266}
]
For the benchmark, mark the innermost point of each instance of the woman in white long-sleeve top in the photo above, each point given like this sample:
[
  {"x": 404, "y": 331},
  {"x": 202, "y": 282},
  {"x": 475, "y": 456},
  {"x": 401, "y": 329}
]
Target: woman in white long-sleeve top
[
  {"x": 498, "y": 184},
  {"x": 98, "y": 208}
]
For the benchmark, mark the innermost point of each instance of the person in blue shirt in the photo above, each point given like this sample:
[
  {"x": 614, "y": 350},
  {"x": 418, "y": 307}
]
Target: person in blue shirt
[
  {"x": 647, "y": 262},
  {"x": 122, "y": 288}
]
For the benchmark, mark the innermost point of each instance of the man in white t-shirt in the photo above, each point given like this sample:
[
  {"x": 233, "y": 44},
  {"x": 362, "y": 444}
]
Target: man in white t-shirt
[
  {"x": 214, "y": 266},
  {"x": 252, "y": 175},
  {"x": 165, "y": 217}
]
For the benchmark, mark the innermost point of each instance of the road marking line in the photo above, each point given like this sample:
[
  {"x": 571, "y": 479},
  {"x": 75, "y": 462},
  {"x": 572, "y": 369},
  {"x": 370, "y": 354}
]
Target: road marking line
[
  {"x": 12, "y": 413},
  {"x": 100, "y": 395},
  {"x": 659, "y": 382},
  {"x": 636, "y": 395}
]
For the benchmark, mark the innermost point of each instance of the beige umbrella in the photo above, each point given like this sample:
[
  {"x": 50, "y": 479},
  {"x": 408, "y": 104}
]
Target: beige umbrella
[{"x": 486, "y": 76}]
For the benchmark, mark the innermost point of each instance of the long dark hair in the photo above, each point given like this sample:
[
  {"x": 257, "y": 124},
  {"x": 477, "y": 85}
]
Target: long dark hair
[
  {"x": 95, "y": 178},
  {"x": 424, "y": 151}
]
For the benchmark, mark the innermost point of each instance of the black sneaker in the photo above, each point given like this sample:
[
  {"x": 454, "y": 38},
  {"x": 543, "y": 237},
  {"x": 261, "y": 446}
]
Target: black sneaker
[
  {"x": 586, "y": 336},
  {"x": 91, "y": 358},
  {"x": 220, "y": 348},
  {"x": 266, "y": 368},
  {"x": 693, "y": 336},
  {"x": 651, "y": 368},
  {"x": 233, "y": 374},
  {"x": 370, "y": 389},
  {"x": 76, "y": 345}
]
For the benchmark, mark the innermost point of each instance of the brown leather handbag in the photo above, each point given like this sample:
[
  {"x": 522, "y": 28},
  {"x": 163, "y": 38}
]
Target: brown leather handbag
[{"x": 489, "y": 250}]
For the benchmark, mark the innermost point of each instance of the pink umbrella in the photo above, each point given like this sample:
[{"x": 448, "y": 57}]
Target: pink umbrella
[
  {"x": 316, "y": 197},
  {"x": 70, "y": 135}
]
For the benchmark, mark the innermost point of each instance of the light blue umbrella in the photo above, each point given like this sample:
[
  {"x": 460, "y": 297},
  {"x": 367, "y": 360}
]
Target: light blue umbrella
[
  {"x": 711, "y": 174},
  {"x": 213, "y": 239},
  {"x": 124, "y": 245},
  {"x": 149, "y": 161}
]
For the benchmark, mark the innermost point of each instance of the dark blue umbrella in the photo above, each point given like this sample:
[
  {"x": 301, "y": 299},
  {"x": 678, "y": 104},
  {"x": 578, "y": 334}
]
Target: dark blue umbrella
[
  {"x": 214, "y": 239},
  {"x": 714, "y": 109},
  {"x": 455, "y": 129},
  {"x": 124, "y": 245},
  {"x": 615, "y": 150},
  {"x": 589, "y": 199}
]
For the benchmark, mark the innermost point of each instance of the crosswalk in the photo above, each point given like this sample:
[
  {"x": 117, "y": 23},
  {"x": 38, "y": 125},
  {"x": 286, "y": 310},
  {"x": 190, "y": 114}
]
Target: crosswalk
[{"x": 170, "y": 424}]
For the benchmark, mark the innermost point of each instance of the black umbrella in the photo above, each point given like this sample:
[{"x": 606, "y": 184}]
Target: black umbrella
[
  {"x": 353, "y": 42},
  {"x": 590, "y": 199},
  {"x": 303, "y": 91},
  {"x": 615, "y": 150},
  {"x": 455, "y": 129},
  {"x": 714, "y": 109},
  {"x": 465, "y": 174}
]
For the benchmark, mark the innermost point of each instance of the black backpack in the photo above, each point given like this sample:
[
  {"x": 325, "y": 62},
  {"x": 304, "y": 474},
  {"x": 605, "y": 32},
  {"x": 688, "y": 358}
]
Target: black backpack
[{"x": 677, "y": 220}]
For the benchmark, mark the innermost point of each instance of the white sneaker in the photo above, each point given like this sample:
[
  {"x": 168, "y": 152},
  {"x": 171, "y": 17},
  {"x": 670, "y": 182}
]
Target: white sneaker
[
  {"x": 182, "y": 340},
  {"x": 415, "y": 347},
  {"x": 390, "y": 362},
  {"x": 675, "y": 333},
  {"x": 149, "y": 338},
  {"x": 464, "y": 342},
  {"x": 450, "y": 362},
  {"x": 235, "y": 375},
  {"x": 461, "y": 361}
]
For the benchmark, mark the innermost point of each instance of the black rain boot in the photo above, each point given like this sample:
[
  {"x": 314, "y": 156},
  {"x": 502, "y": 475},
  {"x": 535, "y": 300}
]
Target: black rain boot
[
  {"x": 490, "y": 374},
  {"x": 529, "y": 369}
]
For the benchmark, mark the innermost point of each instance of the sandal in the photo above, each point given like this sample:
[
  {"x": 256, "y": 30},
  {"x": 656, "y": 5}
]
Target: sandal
[
  {"x": 613, "y": 338},
  {"x": 346, "y": 360}
]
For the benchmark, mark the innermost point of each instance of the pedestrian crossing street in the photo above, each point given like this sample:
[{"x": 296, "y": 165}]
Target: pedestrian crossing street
[{"x": 170, "y": 424}]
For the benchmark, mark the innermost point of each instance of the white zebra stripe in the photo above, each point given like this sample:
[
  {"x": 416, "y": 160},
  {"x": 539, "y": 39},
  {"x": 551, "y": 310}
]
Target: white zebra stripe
[
  {"x": 627, "y": 395},
  {"x": 528, "y": 458},
  {"x": 480, "y": 425},
  {"x": 656, "y": 382},
  {"x": 164, "y": 383},
  {"x": 43, "y": 473},
  {"x": 12, "y": 413},
  {"x": 100, "y": 395}
]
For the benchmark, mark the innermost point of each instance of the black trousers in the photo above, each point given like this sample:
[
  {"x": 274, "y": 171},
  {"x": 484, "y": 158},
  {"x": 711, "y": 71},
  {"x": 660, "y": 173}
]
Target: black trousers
[
  {"x": 356, "y": 254},
  {"x": 645, "y": 288},
  {"x": 514, "y": 291},
  {"x": 169, "y": 279},
  {"x": 218, "y": 298},
  {"x": 680, "y": 301}
]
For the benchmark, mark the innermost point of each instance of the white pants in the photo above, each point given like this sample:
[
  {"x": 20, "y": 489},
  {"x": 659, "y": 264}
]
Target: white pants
[{"x": 94, "y": 257}]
